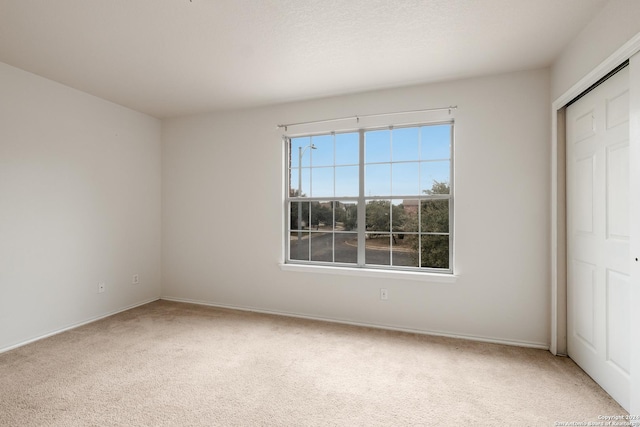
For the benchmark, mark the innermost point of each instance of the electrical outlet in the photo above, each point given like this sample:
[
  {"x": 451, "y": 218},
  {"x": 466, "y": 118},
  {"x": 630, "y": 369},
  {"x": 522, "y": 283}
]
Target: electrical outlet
[
  {"x": 384, "y": 294},
  {"x": 101, "y": 287},
  {"x": 135, "y": 280}
]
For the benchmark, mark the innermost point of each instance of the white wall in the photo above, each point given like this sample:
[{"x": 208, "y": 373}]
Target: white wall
[
  {"x": 618, "y": 22},
  {"x": 79, "y": 203},
  {"x": 223, "y": 225}
]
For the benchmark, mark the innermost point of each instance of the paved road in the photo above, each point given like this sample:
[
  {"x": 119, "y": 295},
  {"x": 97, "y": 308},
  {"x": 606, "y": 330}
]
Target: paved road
[{"x": 345, "y": 250}]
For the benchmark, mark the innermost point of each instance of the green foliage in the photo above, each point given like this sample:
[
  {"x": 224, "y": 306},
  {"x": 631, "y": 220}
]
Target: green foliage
[
  {"x": 380, "y": 213},
  {"x": 321, "y": 213},
  {"x": 348, "y": 215},
  {"x": 434, "y": 215},
  {"x": 438, "y": 188},
  {"x": 435, "y": 251}
]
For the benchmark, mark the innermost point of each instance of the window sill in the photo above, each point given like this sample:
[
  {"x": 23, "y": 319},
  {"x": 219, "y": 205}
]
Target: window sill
[{"x": 371, "y": 272}]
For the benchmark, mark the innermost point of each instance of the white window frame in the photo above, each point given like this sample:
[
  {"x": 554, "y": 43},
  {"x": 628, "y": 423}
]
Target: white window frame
[{"x": 362, "y": 199}]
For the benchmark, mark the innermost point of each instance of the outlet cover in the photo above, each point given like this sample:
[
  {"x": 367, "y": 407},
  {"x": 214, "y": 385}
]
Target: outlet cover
[
  {"x": 135, "y": 280},
  {"x": 101, "y": 287}
]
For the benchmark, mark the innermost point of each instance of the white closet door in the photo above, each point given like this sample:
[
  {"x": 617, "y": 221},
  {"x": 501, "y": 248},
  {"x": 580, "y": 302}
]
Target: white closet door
[{"x": 598, "y": 287}]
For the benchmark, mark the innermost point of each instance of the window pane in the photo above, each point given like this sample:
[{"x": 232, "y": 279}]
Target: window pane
[
  {"x": 293, "y": 182},
  {"x": 347, "y": 149},
  {"x": 347, "y": 181},
  {"x": 322, "y": 155},
  {"x": 434, "y": 216},
  {"x": 377, "y": 146},
  {"x": 405, "y": 145},
  {"x": 378, "y": 249},
  {"x": 346, "y": 216},
  {"x": 409, "y": 214},
  {"x": 435, "y": 251},
  {"x": 306, "y": 183},
  {"x": 406, "y": 178},
  {"x": 299, "y": 210},
  {"x": 346, "y": 247},
  {"x": 299, "y": 187},
  {"x": 321, "y": 182},
  {"x": 436, "y": 142},
  {"x": 397, "y": 216},
  {"x": 378, "y": 214},
  {"x": 322, "y": 247},
  {"x": 434, "y": 177},
  {"x": 377, "y": 180},
  {"x": 322, "y": 216},
  {"x": 297, "y": 145},
  {"x": 404, "y": 249},
  {"x": 299, "y": 246}
]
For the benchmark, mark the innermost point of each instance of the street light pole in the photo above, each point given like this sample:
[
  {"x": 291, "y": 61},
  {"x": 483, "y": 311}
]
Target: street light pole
[{"x": 301, "y": 152}]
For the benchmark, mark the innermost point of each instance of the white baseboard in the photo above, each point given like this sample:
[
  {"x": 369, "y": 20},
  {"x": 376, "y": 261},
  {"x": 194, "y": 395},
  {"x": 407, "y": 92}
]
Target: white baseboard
[
  {"x": 76, "y": 325},
  {"x": 527, "y": 344}
]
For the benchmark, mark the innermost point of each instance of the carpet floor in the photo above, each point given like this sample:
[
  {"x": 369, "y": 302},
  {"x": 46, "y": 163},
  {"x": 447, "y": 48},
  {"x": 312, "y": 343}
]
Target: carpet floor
[{"x": 176, "y": 364}]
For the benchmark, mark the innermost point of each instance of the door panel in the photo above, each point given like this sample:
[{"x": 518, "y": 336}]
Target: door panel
[
  {"x": 618, "y": 192},
  {"x": 598, "y": 283},
  {"x": 584, "y": 294},
  {"x": 584, "y": 195},
  {"x": 618, "y": 320}
]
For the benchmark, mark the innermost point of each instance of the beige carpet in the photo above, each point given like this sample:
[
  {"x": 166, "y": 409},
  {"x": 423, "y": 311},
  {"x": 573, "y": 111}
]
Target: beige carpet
[{"x": 173, "y": 364}]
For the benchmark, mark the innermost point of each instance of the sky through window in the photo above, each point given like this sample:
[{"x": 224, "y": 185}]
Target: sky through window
[{"x": 398, "y": 162}]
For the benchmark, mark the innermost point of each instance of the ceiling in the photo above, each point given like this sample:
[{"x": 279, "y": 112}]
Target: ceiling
[{"x": 170, "y": 58}]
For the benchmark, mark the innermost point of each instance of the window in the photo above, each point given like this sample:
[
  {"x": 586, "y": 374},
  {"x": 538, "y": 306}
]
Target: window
[{"x": 375, "y": 198}]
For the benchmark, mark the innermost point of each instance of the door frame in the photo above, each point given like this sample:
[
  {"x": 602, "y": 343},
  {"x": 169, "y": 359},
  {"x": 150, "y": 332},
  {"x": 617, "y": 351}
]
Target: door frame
[{"x": 558, "y": 249}]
